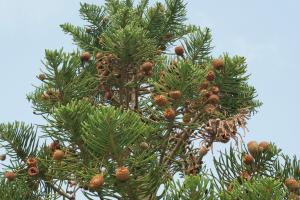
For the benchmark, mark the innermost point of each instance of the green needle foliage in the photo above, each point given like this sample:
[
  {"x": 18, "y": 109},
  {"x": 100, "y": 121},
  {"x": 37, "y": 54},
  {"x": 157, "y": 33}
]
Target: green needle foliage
[
  {"x": 19, "y": 140},
  {"x": 126, "y": 113}
]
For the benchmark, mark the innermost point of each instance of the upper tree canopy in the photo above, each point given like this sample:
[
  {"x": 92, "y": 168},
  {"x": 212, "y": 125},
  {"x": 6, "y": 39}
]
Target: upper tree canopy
[{"x": 141, "y": 99}]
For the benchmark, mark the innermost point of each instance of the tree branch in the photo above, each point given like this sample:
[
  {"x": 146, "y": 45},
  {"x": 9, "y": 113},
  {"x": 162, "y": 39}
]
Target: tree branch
[{"x": 62, "y": 193}]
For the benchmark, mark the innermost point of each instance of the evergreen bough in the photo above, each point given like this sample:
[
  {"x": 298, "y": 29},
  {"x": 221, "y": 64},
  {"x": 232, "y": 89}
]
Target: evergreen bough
[{"x": 124, "y": 114}]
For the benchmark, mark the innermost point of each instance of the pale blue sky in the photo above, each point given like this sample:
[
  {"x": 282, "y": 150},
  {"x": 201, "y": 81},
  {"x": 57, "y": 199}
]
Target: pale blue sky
[{"x": 265, "y": 32}]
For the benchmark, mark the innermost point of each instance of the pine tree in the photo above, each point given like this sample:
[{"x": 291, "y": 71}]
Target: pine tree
[{"x": 140, "y": 100}]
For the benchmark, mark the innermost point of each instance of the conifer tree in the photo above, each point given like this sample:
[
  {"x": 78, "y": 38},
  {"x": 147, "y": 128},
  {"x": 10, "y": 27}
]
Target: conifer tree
[{"x": 140, "y": 100}]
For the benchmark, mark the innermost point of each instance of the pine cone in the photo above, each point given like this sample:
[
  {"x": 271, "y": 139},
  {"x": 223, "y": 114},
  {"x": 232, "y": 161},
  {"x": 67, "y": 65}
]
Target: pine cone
[
  {"x": 99, "y": 55},
  {"x": 54, "y": 145},
  {"x": 213, "y": 99},
  {"x": 175, "y": 94},
  {"x": 144, "y": 145},
  {"x": 209, "y": 108},
  {"x": 203, "y": 151},
  {"x": 161, "y": 100},
  {"x": 42, "y": 77},
  {"x": 253, "y": 147},
  {"x": 248, "y": 159},
  {"x": 58, "y": 155},
  {"x": 85, "y": 57},
  {"x": 108, "y": 95},
  {"x": 292, "y": 184},
  {"x": 263, "y": 146},
  {"x": 203, "y": 85},
  {"x": 146, "y": 66},
  {"x": 45, "y": 97},
  {"x": 122, "y": 173},
  {"x": 96, "y": 182},
  {"x": 210, "y": 76},
  {"x": 245, "y": 176},
  {"x": 11, "y": 176},
  {"x": 215, "y": 90},
  {"x": 169, "y": 114},
  {"x": 2, "y": 157},
  {"x": 31, "y": 162},
  {"x": 179, "y": 50},
  {"x": 33, "y": 171},
  {"x": 218, "y": 64}
]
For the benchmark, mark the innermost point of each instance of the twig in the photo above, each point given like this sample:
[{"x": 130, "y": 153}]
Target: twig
[{"x": 62, "y": 193}]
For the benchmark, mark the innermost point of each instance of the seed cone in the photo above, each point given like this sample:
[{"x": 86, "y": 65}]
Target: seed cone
[
  {"x": 146, "y": 66},
  {"x": 42, "y": 77},
  {"x": 214, "y": 99},
  {"x": 161, "y": 100},
  {"x": 144, "y": 145},
  {"x": 218, "y": 64},
  {"x": 292, "y": 184},
  {"x": 96, "y": 182},
  {"x": 2, "y": 157},
  {"x": 179, "y": 50},
  {"x": 263, "y": 146},
  {"x": 86, "y": 56},
  {"x": 11, "y": 176},
  {"x": 210, "y": 76},
  {"x": 175, "y": 94},
  {"x": 33, "y": 171},
  {"x": 253, "y": 147},
  {"x": 169, "y": 114},
  {"x": 31, "y": 162},
  {"x": 215, "y": 90},
  {"x": 186, "y": 118},
  {"x": 248, "y": 159},
  {"x": 58, "y": 155},
  {"x": 122, "y": 173}
]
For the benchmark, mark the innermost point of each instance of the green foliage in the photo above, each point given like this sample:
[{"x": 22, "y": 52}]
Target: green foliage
[
  {"x": 184, "y": 76},
  {"x": 16, "y": 190},
  {"x": 264, "y": 189},
  {"x": 263, "y": 179},
  {"x": 66, "y": 79},
  {"x": 198, "y": 45},
  {"x": 109, "y": 130},
  {"x": 93, "y": 14},
  {"x": 80, "y": 36},
  {"x": 236, "y": 91},
  {"x": 103, "y": 114},
  {"x": 175, "y": 14},
  {"x": 229, "y": 166},
  {"x": 69, "y": 119},
  {"x": 19, "y": 140},
  {"x": 129, "y": 43},
  {"x": 61, "y": 68},
  {"x": 193, "y": 188}
]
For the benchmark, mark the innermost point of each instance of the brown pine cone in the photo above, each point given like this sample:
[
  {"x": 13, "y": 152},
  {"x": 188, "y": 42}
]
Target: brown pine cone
[
  {"x": 179, "y": 50},
  {"x": 169, "y": 114},
  {"x": 122, "y": 173},
  {"x": 210, "y": 76},
  {"x": 248, "y": 159},
  {"x": 253, "y": 147},
  {"x": 175, "y": 94},
  {"x": 161, "y": 100},
  {"x": 85, "y": 56},
  {"x": 58, "y": 154},
  {"x": 218, "y": 64},
  {"x": 33, "y": 171},
  {"x": 11, "y": 176},
  {"x": 292, "y": 184},
  {"x": 96, "y": 182},
  {"x": 31, "y": 162}
]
